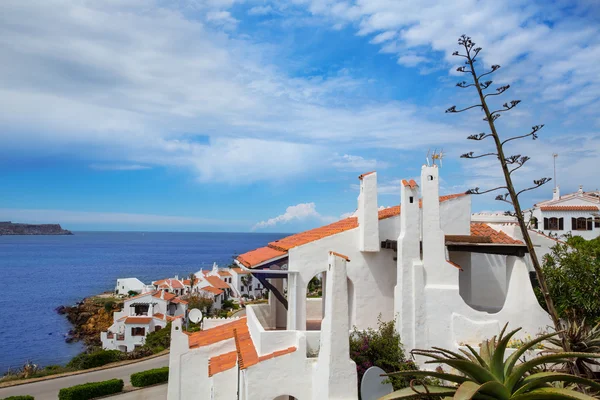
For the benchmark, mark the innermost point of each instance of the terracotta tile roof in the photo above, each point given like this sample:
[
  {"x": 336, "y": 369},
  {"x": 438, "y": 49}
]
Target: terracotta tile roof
[
  {"x": 340, "y": 255},
  {"x": 244, "y": 355},
  {"x": 224, "y": 273},
  {"x": 244, "y": 345},
  {"x": 212, "y": 290},
  {"x": 216, "y": 334},
  {"x": 178, "y": 300},
  {"x": 137, "y": 320},
  {"x": 569, "y": 208},
  {"x": 258, "y": 256},
  {"x": 186, "y": 282},
  {"x": 216, "y": 282},
  {"x": 159, "y": 315},
  {"x": 166, "y": 296},
  {"x": 412, "y": 184},
  {"x": 280, "y": 247},
  {"x": 497, "y": 237},
  {"x": 365, "y": 174},
  {"x": 222, "y": 362},
  {"x": 240, "y": 271},
  {"x": 169, "y": 282}
]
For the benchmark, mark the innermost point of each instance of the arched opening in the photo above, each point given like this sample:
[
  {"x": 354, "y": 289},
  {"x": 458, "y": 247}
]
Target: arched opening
[
  {"x": 285, "y": 397},
  {"x": 483, "y": 281},
  {"x": 316, "y": 296}
]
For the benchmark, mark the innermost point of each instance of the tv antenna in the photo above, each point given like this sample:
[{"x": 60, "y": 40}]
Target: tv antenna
[
  {"x": 434, "y": 156},
  {"x": 554, "y": 155},
  {"x": 372, "y": 386}
]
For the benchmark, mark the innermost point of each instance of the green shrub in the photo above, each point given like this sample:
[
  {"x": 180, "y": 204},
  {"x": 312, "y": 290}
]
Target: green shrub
[
  {"x": 19, "y": 398},
  {"x": 96, "y": 359},
  {"x": 159, "y": 340},
  {"x": 91, "y": 390},
  {"x": 381, "y": 348},
  {"x": 150, "y": 377},
  {"x": 109, "y": 305}
]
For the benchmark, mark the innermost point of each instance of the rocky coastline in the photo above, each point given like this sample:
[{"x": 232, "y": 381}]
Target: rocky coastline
[
  {"x": 89, "y": 317},
  {"x": 11, "y": 228}
]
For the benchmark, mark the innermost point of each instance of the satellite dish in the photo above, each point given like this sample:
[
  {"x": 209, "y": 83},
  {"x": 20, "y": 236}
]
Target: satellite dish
[
  {"x": 195, "y": 315},
  {"x": 372, "y": 386}
]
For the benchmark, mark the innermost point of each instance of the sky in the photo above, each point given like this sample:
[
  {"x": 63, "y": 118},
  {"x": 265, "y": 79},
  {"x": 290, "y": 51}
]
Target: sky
[{"x": 259, "y": 115}]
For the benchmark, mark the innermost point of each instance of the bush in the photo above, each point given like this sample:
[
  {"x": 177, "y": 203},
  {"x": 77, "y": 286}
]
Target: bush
[
  {"x": 96, "y": 359},
  {"x": 91, "y": 390},
  {"x": 150, "y": 377},
  {"x": 109, "y": 305},
  {"x": 159, "y": 340},
  {"x": 381, "y": 348},
  {"x": 19, "y": 398},
  {"x": 572, "y": 274}
]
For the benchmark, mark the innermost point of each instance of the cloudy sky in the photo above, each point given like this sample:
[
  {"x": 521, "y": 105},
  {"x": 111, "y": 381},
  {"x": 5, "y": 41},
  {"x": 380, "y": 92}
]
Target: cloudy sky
[{"x": 241, "y": 115}]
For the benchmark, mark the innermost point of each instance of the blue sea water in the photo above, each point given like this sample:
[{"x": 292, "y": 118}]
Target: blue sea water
[{"x": 40, "y": 273}]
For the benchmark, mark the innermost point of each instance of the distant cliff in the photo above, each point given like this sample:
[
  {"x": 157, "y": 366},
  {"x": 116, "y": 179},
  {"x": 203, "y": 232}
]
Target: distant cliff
[{"x": 9, "y": 228}]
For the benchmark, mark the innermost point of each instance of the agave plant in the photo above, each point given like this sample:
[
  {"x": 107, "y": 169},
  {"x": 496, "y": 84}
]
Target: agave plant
[
  {"x": 583, "y": 339},
  {"x": 486, "y": 375}
]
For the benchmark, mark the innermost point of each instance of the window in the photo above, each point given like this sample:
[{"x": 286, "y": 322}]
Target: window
[
  {"x": 141, "y": 309},
  {"x": 597, "y": 222},
  {"x": 250, "y": 288},
  {"x": 138, "y": 331},
  {"x": 581, "y": 224},
  {"x": 157, "y": 328},
  {"x": 411, "y": 199},
  {"x": 242, "y": 289},
  {"x": 554, "y": 224}
]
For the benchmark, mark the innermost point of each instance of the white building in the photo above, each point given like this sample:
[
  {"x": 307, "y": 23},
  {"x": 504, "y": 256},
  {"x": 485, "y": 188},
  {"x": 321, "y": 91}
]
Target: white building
[
  {"x": 126, "y": 285},
  {"x": 141, "y": 315},
  {"x": 576, "y": 213},
  {"x": 446, "y": 281}
]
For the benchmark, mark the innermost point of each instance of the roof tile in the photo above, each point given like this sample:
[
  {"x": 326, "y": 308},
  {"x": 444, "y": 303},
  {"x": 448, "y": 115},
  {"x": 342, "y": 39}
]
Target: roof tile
[
  {"x": 216, "y": 282},
  {"x": 569, "y": 208},
  {"x": 497, "y": 237}
]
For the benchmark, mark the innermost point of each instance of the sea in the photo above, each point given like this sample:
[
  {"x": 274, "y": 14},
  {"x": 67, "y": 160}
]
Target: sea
[{"x": 40, "y": 273}]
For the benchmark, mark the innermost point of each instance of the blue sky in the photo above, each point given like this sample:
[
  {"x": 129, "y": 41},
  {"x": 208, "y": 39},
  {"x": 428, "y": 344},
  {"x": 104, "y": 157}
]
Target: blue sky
[{"x": 241, "y": 115}]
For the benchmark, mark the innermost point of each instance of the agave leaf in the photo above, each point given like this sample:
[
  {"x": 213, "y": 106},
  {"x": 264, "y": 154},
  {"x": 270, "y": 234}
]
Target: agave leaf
[
  {"x": 497, "y": 365},
  {"x": 521, "y": 369},
  {"x": 478, "y": 357},
  {"x": 478, "y": 373},
  {"x": 535, "y": 380},
  {"x": 512, "y": 360},
  {"x": 468, "y": 390},
  {"x": 409, "y": 393},
  {"x": 439, "y": 375},
  {"x": 446, "y": 352},
  {"x": 551, "y": 394}
]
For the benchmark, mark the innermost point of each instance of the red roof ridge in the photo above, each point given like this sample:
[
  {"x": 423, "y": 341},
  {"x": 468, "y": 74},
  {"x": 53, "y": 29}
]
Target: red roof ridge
[
  {"x": 365, "y": 174},
  {"x": 412, "y": 184},
  {"x": 340, "y": 255},
  {"x": 569, "y": 208}
]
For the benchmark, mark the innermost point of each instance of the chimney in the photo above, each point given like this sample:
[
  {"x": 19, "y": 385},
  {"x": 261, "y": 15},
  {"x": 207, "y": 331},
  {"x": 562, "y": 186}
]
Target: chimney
[
  {"x": 368, "y": 215},
  {"x": 162, "y": 294},
  {"x": 580, "y": 191},
  {"x": 556, "y": 193}
]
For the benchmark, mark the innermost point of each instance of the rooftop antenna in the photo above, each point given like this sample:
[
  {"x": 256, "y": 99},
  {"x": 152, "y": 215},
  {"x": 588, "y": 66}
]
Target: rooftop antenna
[
  {"x": 438, "y": 156},
  {"x": 554, "y": 155},
  {"x": 427, "y": 157}
]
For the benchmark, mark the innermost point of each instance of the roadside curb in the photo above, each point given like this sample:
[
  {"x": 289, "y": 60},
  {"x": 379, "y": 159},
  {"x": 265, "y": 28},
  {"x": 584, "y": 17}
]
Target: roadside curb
[
  {"x": 129, "y": 389},
  {"x": 80, "y": 372}
]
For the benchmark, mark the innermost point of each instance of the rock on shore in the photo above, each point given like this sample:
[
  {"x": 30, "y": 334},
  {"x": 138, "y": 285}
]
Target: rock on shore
[
  {"x": 10, "y": 228},
  {"x": 90, "y": 317}
]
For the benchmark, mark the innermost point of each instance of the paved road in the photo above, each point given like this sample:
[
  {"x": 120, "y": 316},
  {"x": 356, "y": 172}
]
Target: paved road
[
  {"x": 48, "y": 390},
  {"x": 152, "y": 393}
]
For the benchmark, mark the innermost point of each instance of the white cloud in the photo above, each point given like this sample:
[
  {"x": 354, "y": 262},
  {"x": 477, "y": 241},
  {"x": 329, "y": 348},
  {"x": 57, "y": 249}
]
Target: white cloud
[
  {"x": 411, "y": 60},
  {"x": 299, "y": 212},
  {"x": 349, "y": 162},
  {"x": 223, "y": 18},
  {"x": 260, "y": 10},
  {"x": 134, "y": 83},
  {"x": 118, "y": 167}
]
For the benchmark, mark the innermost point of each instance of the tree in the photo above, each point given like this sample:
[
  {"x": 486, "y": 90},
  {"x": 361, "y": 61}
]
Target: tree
[
  {"x": 572, "y": 272},
  {"x": 247, "y": 280},
  {"x": 192, "y": 281},
  {"x": 203, "y": 304},
  {"x": 509, "y": 164}
]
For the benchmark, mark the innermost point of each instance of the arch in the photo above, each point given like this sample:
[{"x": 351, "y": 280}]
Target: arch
[
  {"x": 483, "y": 281},
  {"x": 285, "y": 397},
  {"x": 315, "y": 302}
]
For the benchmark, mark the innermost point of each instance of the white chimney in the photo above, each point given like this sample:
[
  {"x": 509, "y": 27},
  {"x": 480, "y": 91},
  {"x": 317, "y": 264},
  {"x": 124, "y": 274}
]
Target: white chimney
[
  {"x": 556, "y": 193},
  {"x": 368, "y": 215},
  {"x": 580, "y": 191}
]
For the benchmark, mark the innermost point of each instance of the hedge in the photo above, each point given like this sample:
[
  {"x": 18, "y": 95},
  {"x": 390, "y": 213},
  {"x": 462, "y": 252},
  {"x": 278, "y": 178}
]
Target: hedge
[
  {"x": 95, "y": 359},
  {"x": 91, "y": 390},
  {"x": 19, "y": 398},
  {"x": 150, "y": 377}
]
